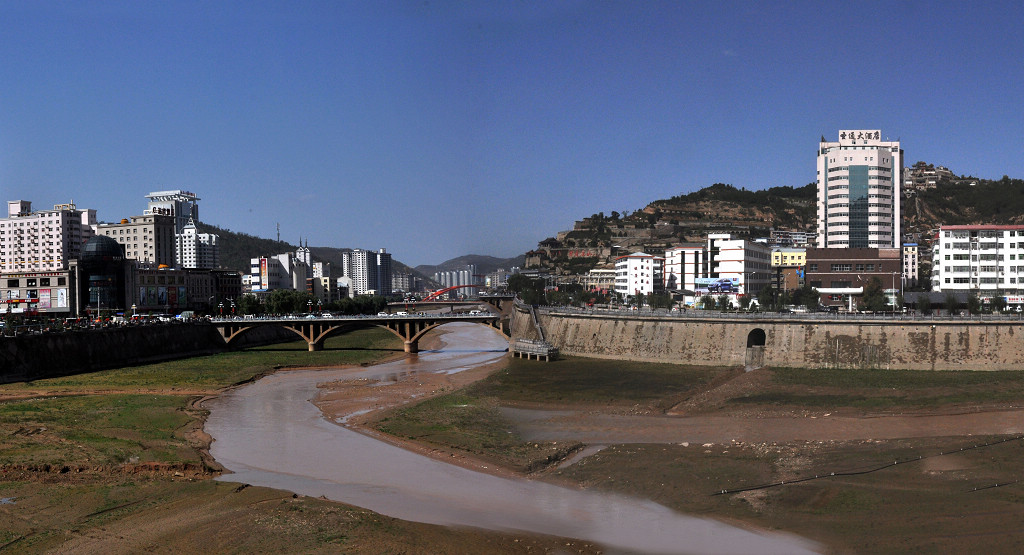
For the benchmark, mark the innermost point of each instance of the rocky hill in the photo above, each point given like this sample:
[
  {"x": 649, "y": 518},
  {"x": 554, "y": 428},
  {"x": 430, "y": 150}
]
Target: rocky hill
[
  {"x": 720, "y": 208},
  {"x": 597, "y": 239}
]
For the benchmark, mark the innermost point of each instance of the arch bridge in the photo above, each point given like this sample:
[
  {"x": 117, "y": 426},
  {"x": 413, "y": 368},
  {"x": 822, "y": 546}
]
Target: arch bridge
[{"x": 314, "y": 330}]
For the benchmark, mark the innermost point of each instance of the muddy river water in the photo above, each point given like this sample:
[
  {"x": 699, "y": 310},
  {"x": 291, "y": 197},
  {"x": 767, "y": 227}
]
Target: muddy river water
[{"x": 269, "y": 433}]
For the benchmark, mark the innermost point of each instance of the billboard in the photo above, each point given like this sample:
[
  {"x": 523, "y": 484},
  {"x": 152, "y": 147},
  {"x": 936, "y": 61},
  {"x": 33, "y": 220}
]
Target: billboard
[{"x": 704, "y": 286}]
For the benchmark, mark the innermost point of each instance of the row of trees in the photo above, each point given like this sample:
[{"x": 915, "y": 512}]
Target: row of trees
[{"x": 290, "y": 301}]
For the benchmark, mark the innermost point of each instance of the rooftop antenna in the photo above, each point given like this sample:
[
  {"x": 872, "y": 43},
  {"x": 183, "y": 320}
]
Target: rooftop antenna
[{"x": 278, "y": 232}]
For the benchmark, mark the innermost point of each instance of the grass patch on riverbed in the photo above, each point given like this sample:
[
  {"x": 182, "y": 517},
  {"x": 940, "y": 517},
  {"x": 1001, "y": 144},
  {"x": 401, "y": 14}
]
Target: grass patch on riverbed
[
  {"x": 932, "y": 504},
  {"x": 884, "y": 390},
  {"x": 140, "y": 414},
  {"x": 575, "y": 381},
  {"x": 472, "y": 425},
  {"x": 94, "y": 430},
  {"x": 209, "y": 373},
  {"x": 141, "y": 515},
  {"x": 469, "y": 421}
]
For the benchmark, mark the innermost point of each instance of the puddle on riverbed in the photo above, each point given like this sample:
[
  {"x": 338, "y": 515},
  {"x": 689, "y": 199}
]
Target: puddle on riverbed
[{"x": 270, "y": 434}]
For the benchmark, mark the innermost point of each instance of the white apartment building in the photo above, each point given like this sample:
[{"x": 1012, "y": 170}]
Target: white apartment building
[
  {"x": 684, "y": 264},
  {"x": 44, "y": 240},
  {"x": 363, "y": 271},
  {"x": 369, "y": 271},
  {"x": 282, "y": 271},
  {"x": 858, "y": 201},
  {"x": 639, "y": 273},
  {"x": 148, "y": 239},
  {"x": 979, "y": 258},
  {"x": 747, "y": 262},
  {"x": 910, "y": 264},
  {"x": 196, "y": 250}
]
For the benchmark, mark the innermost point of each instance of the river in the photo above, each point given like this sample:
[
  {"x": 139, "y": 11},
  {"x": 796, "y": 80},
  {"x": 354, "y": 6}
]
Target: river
[{"x": 269, "y": 433}]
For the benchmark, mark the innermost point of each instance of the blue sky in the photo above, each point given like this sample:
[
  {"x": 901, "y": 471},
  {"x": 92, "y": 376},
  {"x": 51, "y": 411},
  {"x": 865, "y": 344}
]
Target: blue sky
[{"x": 437, "y": 129}]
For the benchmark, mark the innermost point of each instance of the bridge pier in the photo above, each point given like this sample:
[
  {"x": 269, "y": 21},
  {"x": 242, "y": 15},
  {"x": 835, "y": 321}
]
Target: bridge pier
[
  {"x": 316, "y": 346},
  {"x": 412, "y": 347}
]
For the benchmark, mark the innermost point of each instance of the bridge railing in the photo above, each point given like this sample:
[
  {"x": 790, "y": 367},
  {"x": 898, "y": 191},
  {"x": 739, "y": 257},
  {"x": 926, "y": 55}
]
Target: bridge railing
[
  {"x": 692, "y": 313},
  {"x": 352, "y": 317}
]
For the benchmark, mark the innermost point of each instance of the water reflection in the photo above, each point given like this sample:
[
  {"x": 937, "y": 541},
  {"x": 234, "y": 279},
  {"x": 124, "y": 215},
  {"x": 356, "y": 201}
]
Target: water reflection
[{"x": 270, "y": 434}]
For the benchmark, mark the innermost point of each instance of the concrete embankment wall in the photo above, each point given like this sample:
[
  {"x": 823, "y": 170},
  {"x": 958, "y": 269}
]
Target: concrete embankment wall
[
  {"x": 801, "y": 343},
  {"x": 33, "y": 357}
]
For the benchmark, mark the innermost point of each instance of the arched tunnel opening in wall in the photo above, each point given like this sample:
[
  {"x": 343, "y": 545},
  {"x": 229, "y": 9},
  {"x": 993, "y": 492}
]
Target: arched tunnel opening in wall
[{"x": 754, "y": 357}]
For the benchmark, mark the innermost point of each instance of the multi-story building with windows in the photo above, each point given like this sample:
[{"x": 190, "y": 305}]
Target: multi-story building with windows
[
  {"x": 182, "y": 205},
  {"x": 980, "y": 258},
  {"x": 840, "y": 274},
  {"x": 192, "y": 249},
  {"x": 148, "y": 239},
  {"x": 685, "y": 264},
  {"x": 746, "y": 262},
  {"x": 858, "y": 200},
  {"x": 281, "y": 271},
  {"x": 639, "y": 273},
  {"x": 383, "y": 277},
  {"x": 196, "y": 250},
  {"x": 788, "y": 257},
  {"x": 43, "y": 240},
  {"x": 785, "y": 238},
  {"x": 363, "y": 271},
  {"x": 910, "y": 264}
]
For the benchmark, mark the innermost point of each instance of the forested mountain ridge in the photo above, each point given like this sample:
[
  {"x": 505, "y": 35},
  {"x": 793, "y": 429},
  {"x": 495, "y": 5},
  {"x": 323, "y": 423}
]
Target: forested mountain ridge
[{"x": 237, "y": 249}]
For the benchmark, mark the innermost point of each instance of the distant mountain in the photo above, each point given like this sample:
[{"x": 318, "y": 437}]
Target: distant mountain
[
  {"x": 484, "y": 264},
  {"x": 333, "y": 255},
  {"x": 237, "y": 249}
]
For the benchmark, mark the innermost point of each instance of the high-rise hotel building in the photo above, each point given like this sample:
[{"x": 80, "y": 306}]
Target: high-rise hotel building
[{"x": 859, "y": 178}]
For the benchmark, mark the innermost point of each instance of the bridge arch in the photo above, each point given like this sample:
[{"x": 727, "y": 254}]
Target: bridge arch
[
  {"x": 315, "y": 332},
  {"x": 756, "y": 338}
]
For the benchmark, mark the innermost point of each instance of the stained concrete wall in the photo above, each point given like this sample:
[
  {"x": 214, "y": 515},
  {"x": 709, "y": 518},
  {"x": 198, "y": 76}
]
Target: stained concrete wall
[
  {"x": 801, "y": 343},
  {"x": 33, "y": 357}
]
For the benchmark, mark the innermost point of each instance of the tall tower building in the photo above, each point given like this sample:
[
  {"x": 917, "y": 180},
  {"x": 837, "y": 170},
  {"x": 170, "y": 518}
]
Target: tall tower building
[
  {"x": 859, "y": 179},
  {"x": 183, "y": 205},
  {"x": 383, "y": 277},
  {"x": 197, "y": 250}
]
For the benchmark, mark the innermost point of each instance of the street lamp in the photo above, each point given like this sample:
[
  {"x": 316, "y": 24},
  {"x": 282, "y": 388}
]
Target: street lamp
[{"x": 309, "y": 305}]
